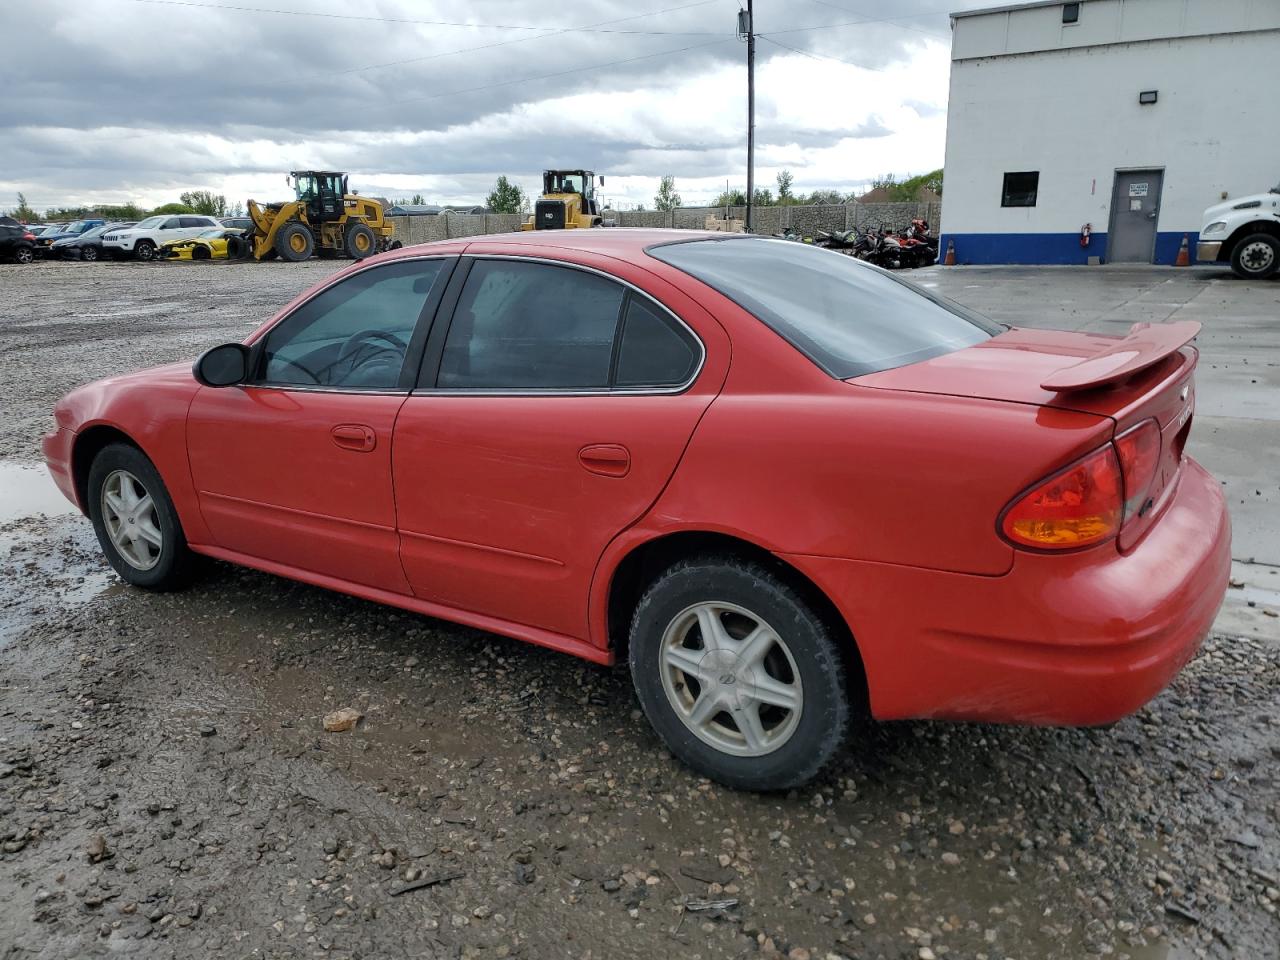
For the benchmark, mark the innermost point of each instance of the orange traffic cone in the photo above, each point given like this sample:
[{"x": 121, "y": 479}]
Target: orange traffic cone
[
  {"x": 1184, "y": 256},
  {"x": 950, "y": 259}
]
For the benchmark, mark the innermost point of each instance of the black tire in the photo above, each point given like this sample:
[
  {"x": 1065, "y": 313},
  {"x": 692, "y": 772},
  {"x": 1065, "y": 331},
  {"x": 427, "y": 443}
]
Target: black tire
[
  {"x": 294, "y": 242},
  {"x": 201, "y": 253},
  {"x": 1256, "y": 257},
  {"x": 172, "y": 565},
  {"x": 89, "y": 254},
  {"x": 23, "y": 254},
  {"x": 394, "y": 245},
  {"x": 144, "y": 250},
  {"x": 359, "y": 241},
  {"x": 810, "y": 641}
]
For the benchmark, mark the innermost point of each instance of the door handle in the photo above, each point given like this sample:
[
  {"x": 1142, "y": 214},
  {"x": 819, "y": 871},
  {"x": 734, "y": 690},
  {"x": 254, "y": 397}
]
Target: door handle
[
  {"x": 354, "y": 436},
  {"x": 606, "y": 459}
]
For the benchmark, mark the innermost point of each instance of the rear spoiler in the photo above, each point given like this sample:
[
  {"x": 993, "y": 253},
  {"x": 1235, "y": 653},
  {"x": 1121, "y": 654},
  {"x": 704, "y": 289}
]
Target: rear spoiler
[{"x": 1145, "y": 346}]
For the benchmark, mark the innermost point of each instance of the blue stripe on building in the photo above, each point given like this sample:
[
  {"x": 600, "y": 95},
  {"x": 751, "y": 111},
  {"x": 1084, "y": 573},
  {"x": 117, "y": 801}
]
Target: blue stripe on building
[{"x": 1052, "y": 248}]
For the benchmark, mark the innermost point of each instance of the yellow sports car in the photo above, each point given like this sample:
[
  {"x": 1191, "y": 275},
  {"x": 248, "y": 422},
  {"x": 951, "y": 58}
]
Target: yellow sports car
[{"x": 216, "y": 243}]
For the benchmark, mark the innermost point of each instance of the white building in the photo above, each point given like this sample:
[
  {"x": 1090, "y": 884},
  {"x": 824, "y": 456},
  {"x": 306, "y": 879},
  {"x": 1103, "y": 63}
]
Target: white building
[{"x": 1130, "y": 116}]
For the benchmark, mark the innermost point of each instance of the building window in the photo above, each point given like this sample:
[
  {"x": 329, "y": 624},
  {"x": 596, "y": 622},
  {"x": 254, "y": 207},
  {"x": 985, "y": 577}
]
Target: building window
[
  {"x": 1070, "y": 12},
  {"x": 1020, "y": 189}
]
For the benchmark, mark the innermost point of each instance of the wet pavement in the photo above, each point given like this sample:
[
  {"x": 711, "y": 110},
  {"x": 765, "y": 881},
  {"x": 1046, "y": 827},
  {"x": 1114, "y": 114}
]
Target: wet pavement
[{"x": 167, "y": 788}]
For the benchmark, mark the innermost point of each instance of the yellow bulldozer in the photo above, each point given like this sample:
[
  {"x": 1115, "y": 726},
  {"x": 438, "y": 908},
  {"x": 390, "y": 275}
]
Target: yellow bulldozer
[
  {"x": 568, "y": 201},
  {"x": 322, "y": 218}
]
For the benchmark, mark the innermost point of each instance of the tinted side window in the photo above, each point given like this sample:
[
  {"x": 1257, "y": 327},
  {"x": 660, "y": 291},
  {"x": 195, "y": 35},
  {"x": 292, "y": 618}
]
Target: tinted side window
[
  {"x": 531, "y": 326},
  {"x": 194, "y": 222},
  {"x": 654, "y": 350},
  {"x": 355, "y": 333},
  {"x": 847, "y": 317},
  {"x": 171, "y": 224}
]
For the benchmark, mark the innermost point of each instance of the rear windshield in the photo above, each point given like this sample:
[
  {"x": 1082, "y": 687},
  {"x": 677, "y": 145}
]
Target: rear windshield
[{"x": 847, "y": 317}]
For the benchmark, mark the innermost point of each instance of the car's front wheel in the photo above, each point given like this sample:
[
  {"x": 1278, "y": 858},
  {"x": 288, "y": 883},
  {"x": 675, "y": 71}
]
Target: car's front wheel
[
  {"x": 739, "y": 675},
  {"x": 144, "y": 250},
  {"x": 89, "y": 253},
  {"x": 135, "y": 520}
]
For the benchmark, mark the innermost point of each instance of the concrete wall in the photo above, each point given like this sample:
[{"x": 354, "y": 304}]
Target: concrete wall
[
  {"x": 1029, "y": 93},
  {"x": 768, "y": 220}
]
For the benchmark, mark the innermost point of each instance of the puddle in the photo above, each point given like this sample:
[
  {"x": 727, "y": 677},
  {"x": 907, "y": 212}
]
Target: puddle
[
  {"x": 50, "y": 562},
  {"x": 27, "y": 490}
]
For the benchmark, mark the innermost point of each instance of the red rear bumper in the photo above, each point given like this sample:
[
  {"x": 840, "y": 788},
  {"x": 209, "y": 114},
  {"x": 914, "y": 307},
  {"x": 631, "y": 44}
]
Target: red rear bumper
[{"x": 1074, "y": 639}]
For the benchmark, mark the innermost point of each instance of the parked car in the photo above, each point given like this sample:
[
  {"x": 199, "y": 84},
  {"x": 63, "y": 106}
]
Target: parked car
[
  {"x": 87, "y": 246},
  {"x": 780, "y": 482},
  {"x": 239, "y": 223},
  {"x": 1244, "y": 233},
  {"x": 16, "y": 241},
  {"x": 144, "y": 238},
  {"x": 216, "y": 243},
  {"x": 47, "y": 238}
]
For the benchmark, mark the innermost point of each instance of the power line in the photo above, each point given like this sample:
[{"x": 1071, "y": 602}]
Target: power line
[
  {"x": 894, "y": 21},
  {"x": 237, "y": 8},
  {"x": 817, "y": 56},
  {"x": 854, "y": 23},
  {"x": 558, "y": 73}
]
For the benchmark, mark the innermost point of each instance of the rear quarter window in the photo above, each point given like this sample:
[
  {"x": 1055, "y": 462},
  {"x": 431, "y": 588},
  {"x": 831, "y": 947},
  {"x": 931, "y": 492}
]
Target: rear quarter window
[{"x": 849, "y": 318}]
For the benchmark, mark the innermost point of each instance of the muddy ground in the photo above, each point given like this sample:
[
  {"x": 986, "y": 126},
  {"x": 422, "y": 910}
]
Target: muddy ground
[{"x": 167, "y": 789}]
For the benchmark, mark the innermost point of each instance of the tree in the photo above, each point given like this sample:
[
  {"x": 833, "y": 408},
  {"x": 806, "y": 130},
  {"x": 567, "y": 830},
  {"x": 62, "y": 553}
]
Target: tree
[
  {"x": 763, "y": 197},
  {"x": 908, "y": 190},
  {"x": 24, "y": 212},
  {"x": 418, "y": 200},
  {"x": 122, "y": 212},
  {"x": 666, "y": 198},
  {"x": 206, "y": 202},
  {"x": 823, "y": 197},
  {"x": 737, "y": 197},
  {"x": 170, "y": 209},
  {"x": 785, "y": 179},
  {"x": 505, "y": 197}
]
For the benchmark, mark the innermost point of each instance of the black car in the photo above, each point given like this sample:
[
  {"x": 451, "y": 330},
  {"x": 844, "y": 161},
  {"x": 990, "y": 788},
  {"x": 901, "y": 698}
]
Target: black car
[
  {"x": 46, "y": 239},
  {"x": 16, "y": 242},
  {"x": 85, "y": 246}
]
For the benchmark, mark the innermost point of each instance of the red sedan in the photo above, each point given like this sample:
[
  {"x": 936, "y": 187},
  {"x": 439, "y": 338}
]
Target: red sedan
[{"x": 782, "y": 483}]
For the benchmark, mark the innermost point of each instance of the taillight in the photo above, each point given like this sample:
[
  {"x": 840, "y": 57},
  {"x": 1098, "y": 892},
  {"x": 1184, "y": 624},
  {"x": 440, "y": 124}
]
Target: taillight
[
  {"x": 1139, "y": 453},
  {"x": 1076, "y": 507}
]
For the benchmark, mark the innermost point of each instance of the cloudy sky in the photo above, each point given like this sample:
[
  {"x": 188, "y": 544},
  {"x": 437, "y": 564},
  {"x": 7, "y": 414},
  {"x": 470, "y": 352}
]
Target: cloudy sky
[{"x": 138, "y": 100}]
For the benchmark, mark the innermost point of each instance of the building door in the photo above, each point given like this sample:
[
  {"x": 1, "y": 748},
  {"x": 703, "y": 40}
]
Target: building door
[{"x": 1135, "y": 211}]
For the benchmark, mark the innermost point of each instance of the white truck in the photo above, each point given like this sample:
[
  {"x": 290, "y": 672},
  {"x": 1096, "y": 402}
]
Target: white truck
[
  {"x": 1244, "y": 233},
  {"x": 143, "y": 239}
]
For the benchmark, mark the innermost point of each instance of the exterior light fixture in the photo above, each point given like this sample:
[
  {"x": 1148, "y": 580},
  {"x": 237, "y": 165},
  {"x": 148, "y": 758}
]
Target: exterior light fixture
[{"x": 1147, "y": 96}]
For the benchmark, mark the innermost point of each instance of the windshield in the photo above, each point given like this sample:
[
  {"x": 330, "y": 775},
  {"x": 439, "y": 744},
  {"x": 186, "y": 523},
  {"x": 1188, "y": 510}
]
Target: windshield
[
  {"x": 151, "y": 222},
  {"x": 846, "y": 316},
  {"x": 90, "y": 234},
  {"x": 79, "y": 226},
  {"x": 558, "y": 182}
]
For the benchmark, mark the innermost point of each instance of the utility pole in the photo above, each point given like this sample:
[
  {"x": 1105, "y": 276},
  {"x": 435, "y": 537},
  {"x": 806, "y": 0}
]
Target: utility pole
[{"x": 747, "y": 28}]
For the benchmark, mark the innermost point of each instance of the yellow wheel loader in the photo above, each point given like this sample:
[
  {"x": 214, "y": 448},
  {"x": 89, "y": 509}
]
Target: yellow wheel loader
[
  {"x": 568, "y": 201},
  {"x": 322, "y": 218}
]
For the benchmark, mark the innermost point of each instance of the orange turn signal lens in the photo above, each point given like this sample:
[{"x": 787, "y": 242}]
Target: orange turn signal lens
[{"x": 1076, "y": 507}]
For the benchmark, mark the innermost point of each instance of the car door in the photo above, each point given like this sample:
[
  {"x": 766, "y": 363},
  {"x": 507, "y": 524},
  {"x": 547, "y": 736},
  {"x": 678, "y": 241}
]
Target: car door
[
  {"x": 552, "y": 410},
  {"x": 294, "y": 467}
]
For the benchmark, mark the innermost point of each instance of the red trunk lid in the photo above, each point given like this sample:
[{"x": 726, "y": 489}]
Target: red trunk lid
[{"x": 1146, "y": 374}]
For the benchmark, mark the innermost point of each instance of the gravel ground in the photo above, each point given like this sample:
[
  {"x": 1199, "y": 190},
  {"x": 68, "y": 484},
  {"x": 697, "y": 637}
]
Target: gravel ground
[{"x": 167, "y": 788}]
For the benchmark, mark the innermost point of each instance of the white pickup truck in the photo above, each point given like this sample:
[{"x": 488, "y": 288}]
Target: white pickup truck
[{"x": 1244, "y": 233}]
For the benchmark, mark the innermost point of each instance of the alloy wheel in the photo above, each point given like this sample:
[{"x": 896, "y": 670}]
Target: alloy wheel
[
  {"x": 24, "y": 255},
  {"x": 129, "y": 515},
  {"x": 731, "y": 679}
]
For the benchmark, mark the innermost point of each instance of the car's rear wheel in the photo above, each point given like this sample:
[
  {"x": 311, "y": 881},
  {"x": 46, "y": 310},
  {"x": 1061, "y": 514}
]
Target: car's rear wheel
[
  {"x": 135, "y": 520},
  {"x": 738, "y": 674},
  {"x": 1256, "y": 257},
  {"x": 24, "y": 254},
  {"x": 144, "y": 250}
]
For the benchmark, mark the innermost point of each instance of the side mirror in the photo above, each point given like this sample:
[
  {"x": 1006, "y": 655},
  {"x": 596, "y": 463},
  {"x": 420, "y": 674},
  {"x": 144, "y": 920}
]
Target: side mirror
[{"x": 222, "y": 366}]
